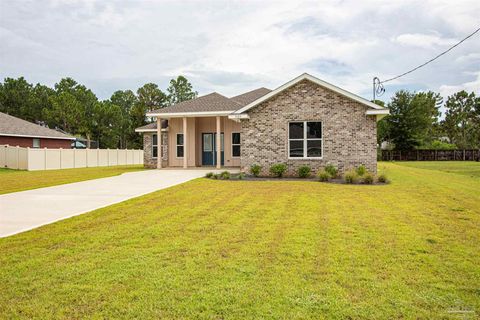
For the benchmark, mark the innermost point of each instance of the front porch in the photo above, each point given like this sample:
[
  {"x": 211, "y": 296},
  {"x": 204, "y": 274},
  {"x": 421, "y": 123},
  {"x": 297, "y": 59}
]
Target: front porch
[{"x": 194, "y": 142}]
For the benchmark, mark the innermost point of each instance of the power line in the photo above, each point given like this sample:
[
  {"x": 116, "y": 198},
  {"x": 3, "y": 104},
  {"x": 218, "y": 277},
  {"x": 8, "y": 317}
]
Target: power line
[{"x": 433, "y": 59}]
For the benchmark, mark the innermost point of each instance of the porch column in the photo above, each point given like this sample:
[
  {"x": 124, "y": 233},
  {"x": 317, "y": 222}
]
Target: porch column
[
  {"x": 219, "y": 145},
  {"x": 185, "y": 146},
  {"x": 159, "y": 143}
]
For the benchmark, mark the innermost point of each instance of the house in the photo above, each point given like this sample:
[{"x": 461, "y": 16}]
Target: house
[
  {"x": 306, "y": 121},
  {"x": 18, "y": 132}
]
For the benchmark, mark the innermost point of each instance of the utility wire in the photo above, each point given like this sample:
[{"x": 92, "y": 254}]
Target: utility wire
[{"x": 433, "y": 59}]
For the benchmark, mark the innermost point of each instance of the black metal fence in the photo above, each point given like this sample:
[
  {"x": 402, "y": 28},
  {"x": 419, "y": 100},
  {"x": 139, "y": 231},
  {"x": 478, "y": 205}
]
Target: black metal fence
[{"x": 430, "y": 155}]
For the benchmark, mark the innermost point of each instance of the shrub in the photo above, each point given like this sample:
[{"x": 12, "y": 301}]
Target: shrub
[
  {"x": 225, "y": 175},
  {"x": 350, "y": 176},
  {"x": 278, "y": 169},
  {"x": 323, "y": 175},
  {"x": 361, "y": 170},
  {"x": 331, "y": 170},
  {"x": 304, "y": 171},
  {"x": 368, "y": 178},
  {"x": 241, "y": 176},
  {"x": 255, "y": 169},
  {"x": 209, "y": 175},
  {"x": 216, "y": 176},
  {"x": 382, "y": 178}
]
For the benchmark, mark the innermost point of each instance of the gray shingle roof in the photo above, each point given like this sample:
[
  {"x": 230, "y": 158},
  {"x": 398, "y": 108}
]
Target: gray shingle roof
[
  {"x": 152, "y": 126},
  {"x": 10, "y": 125},
  {"x": 249, "y": 97},
  {"x": 208, "y": 103}
]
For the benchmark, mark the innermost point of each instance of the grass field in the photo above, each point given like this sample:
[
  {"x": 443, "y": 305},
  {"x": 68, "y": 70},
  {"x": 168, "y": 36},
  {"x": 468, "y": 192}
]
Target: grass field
[
  {"x": 211, "y": 249},
  {"x": 469, "y": 168},
  {"x": 19, "y": 180}
]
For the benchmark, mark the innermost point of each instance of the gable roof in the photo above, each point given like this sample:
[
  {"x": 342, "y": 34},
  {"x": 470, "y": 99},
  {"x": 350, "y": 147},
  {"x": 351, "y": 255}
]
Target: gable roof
[
  {"x": 213, "y": 103},
  {"x": 250, "y": 96},
  {"x": 306, "y": 76},
  {"x": 16, "y": 127}
]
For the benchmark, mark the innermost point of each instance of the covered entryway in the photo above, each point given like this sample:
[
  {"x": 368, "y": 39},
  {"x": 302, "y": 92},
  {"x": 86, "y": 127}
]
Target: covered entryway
[{"x": 209, "y": 149}]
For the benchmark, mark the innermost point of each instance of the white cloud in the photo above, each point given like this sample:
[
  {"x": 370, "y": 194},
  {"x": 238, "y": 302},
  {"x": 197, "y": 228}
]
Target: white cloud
[
  {"x": 232, "y": 47},
  {"x": 423, "y": 40},
  {"x": 471, "y": 86}
]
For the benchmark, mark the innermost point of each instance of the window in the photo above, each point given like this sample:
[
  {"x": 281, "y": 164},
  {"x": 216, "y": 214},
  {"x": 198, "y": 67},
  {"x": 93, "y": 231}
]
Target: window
[
  {"x": 36, "y": 143},
  {"x": 154, "y": 146},
  {"x": 305, "y": 139},
  {"x": 179, "y": 145},
  {"x": 235, "y": 144}
]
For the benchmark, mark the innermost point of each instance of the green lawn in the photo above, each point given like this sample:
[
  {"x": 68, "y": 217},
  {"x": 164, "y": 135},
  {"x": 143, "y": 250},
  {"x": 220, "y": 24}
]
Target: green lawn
[
  {"x": 19, "y": 180},
  {"x": 213, "y": 249},
  {"x": 469, "y": 168}
]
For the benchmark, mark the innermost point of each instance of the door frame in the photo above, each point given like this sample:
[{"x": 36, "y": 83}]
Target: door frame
[{"x": 214, "y": 149}]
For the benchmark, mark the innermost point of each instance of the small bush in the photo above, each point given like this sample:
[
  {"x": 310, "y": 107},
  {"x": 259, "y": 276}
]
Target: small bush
[
  {"x": 350, "y": 176},
  {"x": 241, "y": 176},
  {"x": 361, "y": 170},
  {"x": 209, "y": 175},
  {"x": 304, "y": 171},
  {"x": 382, "y": 178},
  {"x": 216, "y": 176},
  {"x": 368, "y": 178},
  {"x": 225, "y": 175},
  {"x": 323, "y": 175},
  {"x": 255, "y": 169},
  {"x": 331, "y": 170},
  {"x": 278, "y": 169}
]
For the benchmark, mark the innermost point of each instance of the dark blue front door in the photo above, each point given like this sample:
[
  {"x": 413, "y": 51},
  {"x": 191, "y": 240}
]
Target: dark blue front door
[{"x": 209, "y": 148}]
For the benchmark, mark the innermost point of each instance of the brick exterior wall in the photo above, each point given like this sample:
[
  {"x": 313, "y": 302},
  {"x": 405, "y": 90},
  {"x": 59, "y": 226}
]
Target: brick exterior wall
[
  {"x": 28, "y": 142},
  {"x": 349, "y": 136},
  {"x": 148, "y": 160}
]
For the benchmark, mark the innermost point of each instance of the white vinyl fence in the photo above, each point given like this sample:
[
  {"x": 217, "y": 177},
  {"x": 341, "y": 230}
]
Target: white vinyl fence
[{"x": 49, "y": 159}]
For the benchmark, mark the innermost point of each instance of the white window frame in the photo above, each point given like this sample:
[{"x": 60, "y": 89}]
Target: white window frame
[
  {"x": 179, "y": 145},
  {"x": 305, "y": 139},
  {"x": 237, "y": 144},
  {"x": 33, "y": 143},
  {"x": 154, "y": 145}
]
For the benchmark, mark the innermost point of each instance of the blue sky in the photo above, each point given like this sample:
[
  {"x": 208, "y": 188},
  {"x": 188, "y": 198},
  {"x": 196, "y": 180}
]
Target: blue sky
[{"x": 232, "y": 47}]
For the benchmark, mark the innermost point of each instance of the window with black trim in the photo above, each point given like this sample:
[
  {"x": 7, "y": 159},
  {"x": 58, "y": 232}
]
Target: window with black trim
[
  {"x": 305, "y": 139},
  {"x": 235, "y": 144},
  {"x": 179, "y": 145},
  {"x": 154, "y": 146}
]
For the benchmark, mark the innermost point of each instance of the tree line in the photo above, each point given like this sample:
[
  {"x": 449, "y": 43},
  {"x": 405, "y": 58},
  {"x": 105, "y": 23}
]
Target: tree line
[
  {"x": 415, "y": 121},
  {"x": 76, "y": 110}
]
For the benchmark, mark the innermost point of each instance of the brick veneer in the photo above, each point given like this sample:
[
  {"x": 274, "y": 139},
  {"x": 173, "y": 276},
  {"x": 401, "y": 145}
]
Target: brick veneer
[
  {"x": 349, "y": 136},
  {"x": 148, "y": 160}
]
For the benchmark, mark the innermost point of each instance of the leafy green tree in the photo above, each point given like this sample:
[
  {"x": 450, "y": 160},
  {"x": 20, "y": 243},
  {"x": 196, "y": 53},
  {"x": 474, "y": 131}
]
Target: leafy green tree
[
  {"x": 106, "y": 130},
  {"x": 383, "y": 133},
  {"x": 461, "y": 119},
  {"x": 126, "y": 100},
  {"x": 16, "y": 99},
  {"x": 412, "y": 118},
  {"x": 180, "y": 90},
  {"x": 72, "y": 109},
  {"x": 65, "y": 112},
  {"x": 150, "y": 97},
  {"x": 41, "y": 100},
  {"x": 476, "y": 123}
]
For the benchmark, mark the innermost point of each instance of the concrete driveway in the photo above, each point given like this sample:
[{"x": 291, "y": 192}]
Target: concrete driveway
[{"x": 25, "y": 210}]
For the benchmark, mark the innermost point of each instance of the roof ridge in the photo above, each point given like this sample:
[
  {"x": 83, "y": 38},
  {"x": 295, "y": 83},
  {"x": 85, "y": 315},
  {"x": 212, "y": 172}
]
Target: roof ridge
[{"x": 250, "y": 91}]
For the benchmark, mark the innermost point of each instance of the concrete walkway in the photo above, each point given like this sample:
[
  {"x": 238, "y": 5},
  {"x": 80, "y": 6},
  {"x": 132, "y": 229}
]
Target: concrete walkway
[{"x": 25, "y": 210}]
